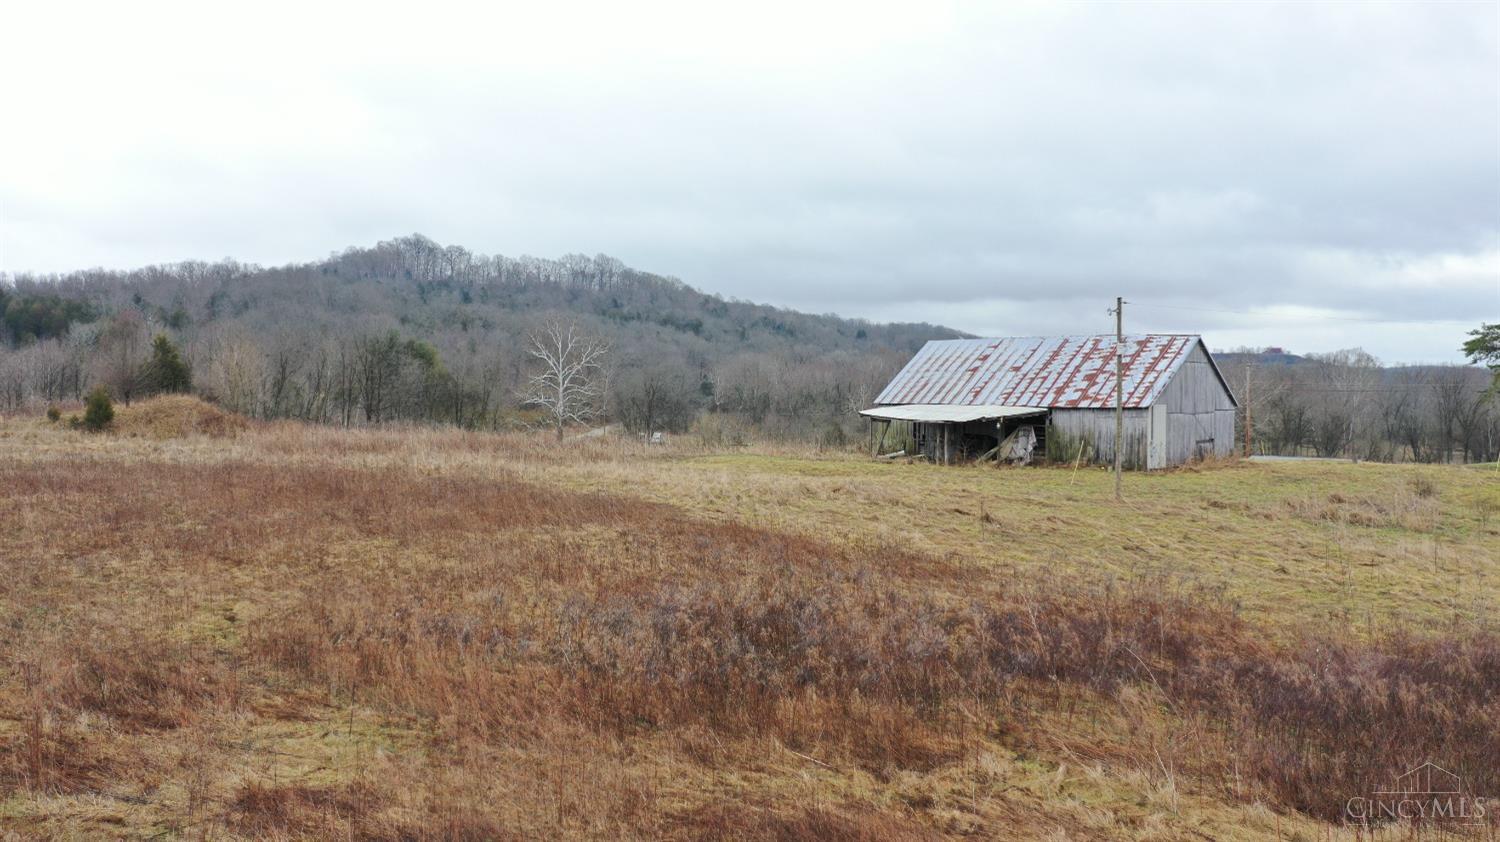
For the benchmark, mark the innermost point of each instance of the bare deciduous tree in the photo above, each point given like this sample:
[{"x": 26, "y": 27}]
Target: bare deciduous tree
[
  {"x": 123, "y": 352},
  {"x": 236, "y": 370},
  {"x": 1453, "y": 389},
  {"x": 1339, "y": 385},
  {"x": 569, "y": 386},
  {"x": 655, "y": 396}
]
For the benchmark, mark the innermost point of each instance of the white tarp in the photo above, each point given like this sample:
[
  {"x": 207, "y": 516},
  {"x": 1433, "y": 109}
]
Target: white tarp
[
  {"x": 1017, "y": 447},
  {"x": 943, "y": 413}
]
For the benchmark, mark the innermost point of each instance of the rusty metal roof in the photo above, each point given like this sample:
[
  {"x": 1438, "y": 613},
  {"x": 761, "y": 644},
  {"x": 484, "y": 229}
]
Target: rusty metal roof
[
  {"x": 949, "y": 413},
  {"x": 1048, "y": 371}
]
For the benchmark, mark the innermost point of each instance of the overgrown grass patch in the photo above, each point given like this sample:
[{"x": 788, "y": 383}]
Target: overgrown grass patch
[{"x": 415, "y": 634}]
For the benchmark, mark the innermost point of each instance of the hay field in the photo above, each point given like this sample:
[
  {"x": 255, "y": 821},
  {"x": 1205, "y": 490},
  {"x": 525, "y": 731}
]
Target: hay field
[{"x": 296, "y": 632}]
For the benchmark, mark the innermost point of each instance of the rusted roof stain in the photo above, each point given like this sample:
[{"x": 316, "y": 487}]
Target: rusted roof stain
[{"x": 1050, "y": 371}]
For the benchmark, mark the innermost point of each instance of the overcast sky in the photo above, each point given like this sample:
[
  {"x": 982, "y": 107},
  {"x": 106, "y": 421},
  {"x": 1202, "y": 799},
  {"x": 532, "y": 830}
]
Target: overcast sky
[{"x": 1313, "y": 176}]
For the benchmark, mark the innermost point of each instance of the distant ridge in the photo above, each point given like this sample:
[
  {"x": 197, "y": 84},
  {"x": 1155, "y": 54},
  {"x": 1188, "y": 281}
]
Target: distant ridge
[{"x": 1263, "y": 357}]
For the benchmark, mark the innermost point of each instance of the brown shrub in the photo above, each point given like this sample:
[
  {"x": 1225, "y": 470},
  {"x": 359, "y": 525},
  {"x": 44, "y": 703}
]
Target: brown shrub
[
  {"x": 133, "y": 684},
  {"x": 499, "y": 613},
  {"x": 850, "y": 665},
  {"x": 137, "y": 683},
  {"x": 814, "y": 824},
  {"x": 1333, "y": 719},
  {"x": 260, "y": 812},
  {"x": 45, "y": 755},
  {"x": 353, "y": 810}
]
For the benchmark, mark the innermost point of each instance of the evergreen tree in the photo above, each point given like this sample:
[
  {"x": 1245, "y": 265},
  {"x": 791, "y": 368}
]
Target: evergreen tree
[
  {"x": 1484, "y": 349},
  {"x": 99, "y": 411},
  {"x": 166, "y": 371}
]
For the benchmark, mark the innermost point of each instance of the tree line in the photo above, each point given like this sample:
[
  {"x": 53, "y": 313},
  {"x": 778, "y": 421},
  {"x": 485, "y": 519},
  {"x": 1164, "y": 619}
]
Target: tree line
[
  {"x": 410, "y": 331},
  {"x": 414, "y": 332},
  {"x": 1346, "y": 404},
  {"x": 359, "y": 377}
]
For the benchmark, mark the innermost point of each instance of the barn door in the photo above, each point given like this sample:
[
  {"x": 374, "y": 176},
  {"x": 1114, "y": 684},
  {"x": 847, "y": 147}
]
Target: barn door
[{"x": 1156, "y": 448}]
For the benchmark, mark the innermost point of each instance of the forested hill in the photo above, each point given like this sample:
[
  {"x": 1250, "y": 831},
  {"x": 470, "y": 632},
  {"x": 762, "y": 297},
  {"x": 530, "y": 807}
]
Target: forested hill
[
  {"x": 286, "y": 327},
  {"x": 431, "y": 289}
]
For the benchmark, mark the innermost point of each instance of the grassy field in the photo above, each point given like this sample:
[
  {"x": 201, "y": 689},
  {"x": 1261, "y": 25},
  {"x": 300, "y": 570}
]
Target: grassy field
[
  {"x": 1366, "y": 545},
  {"x": 298, "y": 632}
]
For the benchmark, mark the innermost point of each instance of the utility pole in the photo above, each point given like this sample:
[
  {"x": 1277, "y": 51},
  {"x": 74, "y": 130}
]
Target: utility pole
[
  {"x": 1119, "y": 389},
  {"x": 1248, "y": 420}
]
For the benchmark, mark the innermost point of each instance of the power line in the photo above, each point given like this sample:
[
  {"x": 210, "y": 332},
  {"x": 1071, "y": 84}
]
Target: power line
[
  {"x": 1307, "y": 318},
  {"x": 1374, "y": 391}
]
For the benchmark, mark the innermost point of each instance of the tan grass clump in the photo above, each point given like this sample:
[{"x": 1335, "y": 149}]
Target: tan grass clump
[
  {"x": 1414, "y": 508},
  {"x": 175, "y": 417}
]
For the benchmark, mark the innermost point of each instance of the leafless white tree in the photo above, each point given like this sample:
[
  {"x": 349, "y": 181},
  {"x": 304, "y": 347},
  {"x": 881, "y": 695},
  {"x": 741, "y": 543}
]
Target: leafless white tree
[
  {"x": 1338, "y": 387},
  {"x": 570, "y": 385},
  {"x": 234, "y": 369}
]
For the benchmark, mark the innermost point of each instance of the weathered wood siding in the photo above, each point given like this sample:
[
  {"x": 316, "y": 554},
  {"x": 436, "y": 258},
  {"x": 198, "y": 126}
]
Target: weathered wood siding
[
  {"x": 1094, "y": 429},
  {"x": 1200, "y": 412},
  {"x": 1199, "y": 422}
]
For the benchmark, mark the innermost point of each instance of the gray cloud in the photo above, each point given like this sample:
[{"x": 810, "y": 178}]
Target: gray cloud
[{"x": 1000, "y": 171}]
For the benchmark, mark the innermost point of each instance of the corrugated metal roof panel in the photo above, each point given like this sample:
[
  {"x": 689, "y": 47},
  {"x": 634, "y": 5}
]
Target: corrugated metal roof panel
[
  {"x": 949, "y": 413},
  {"x": 1038, "y": 371}
]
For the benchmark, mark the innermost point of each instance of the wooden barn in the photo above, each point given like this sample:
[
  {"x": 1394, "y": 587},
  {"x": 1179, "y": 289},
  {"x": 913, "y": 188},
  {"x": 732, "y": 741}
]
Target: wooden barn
[{"x": 1019, "y": 398}]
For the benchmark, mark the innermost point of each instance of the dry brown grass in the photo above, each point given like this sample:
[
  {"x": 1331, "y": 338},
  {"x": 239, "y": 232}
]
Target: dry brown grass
[
  {"x": 302, "y": 633},
  {"x": 1411, "y": 506},
  {"x": 176, "y": 416}
]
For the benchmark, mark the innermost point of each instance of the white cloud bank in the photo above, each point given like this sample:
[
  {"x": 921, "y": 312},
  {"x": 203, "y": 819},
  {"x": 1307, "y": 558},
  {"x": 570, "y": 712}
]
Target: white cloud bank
[{"x": 1002, "y": 169}]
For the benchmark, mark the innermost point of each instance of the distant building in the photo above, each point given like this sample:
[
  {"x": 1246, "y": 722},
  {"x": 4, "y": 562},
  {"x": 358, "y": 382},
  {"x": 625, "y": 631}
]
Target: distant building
[{"x": 964, "y": 397}]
